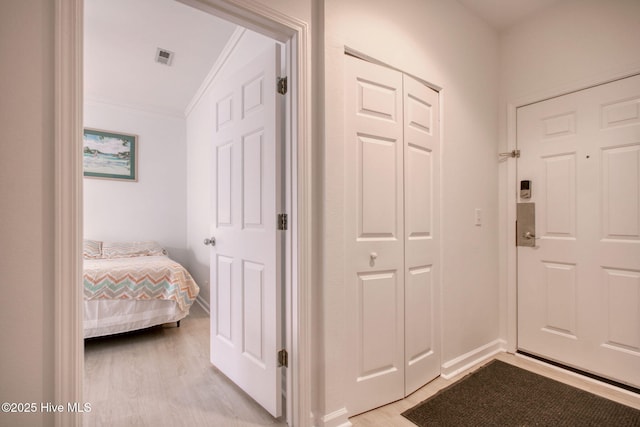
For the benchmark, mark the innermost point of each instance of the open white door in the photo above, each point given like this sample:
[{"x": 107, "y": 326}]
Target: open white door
[
  {"x": 246, "y": 299},
  {"x": 579, "y": 283}
]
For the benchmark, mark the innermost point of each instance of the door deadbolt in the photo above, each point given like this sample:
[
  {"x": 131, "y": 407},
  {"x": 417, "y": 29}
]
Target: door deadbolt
[{"x": 526, "y": 225}]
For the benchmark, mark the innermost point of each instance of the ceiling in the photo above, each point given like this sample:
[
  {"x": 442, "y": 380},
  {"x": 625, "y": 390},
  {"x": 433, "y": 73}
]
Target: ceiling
[
  {"x": 120, "y": 42},
  {"x": 502, "y": 14},
  {"x": 122, "y": 36}
]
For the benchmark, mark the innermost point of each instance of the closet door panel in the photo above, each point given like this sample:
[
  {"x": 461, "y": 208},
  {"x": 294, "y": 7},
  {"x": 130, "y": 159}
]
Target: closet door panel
[
  {"x": 422, "y": 242},
  {"x": 374, "y": 241}
]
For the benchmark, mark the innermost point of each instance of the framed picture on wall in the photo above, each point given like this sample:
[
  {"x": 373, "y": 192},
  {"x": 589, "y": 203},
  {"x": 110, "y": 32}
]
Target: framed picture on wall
[{"x": 110, "y": 155}]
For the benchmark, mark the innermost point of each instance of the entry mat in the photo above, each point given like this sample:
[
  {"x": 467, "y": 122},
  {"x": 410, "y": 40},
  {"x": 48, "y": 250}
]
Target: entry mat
[{"x": 500, "y": 394}]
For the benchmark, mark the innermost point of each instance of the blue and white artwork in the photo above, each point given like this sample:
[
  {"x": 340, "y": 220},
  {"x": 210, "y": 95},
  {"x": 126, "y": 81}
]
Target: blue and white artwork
[{"x": 109, "y": 155}]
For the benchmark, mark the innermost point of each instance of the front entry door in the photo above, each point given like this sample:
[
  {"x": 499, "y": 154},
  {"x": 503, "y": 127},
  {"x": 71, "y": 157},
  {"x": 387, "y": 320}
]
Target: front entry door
[
  {"x": 246, "y": 301},
  {"x": 579, "y": 284}
]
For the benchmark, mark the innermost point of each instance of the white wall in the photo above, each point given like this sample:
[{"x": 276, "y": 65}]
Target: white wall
[
  {"x": 573, "y": 44},
  {"x": 154, "y": 207},
  {"x": 440, "y": 42},
  {"x": 200, "y": 133},
  {"x": 26, "y": 207}
]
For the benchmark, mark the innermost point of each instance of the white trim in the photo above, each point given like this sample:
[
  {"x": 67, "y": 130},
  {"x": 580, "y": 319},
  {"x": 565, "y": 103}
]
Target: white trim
[
  {"x": 337, "y": 418},
  {"x": 68, "y": 337},
  {"x": 353, "y": 52},
  {"x": 476, "y": 356},
  {"x": 215, "y": 69},
  {"x": 511, "y": 177},
  {"x": 204, "y": 304}
]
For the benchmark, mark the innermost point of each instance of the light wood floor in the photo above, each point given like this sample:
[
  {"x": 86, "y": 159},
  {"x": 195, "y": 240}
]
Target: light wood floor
[
  {"x": 389, "y": 415},
  {"x": 163, "y": 377}
]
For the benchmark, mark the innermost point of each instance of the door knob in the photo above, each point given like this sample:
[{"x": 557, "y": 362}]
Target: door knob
[{"x": 210, "y": 241}]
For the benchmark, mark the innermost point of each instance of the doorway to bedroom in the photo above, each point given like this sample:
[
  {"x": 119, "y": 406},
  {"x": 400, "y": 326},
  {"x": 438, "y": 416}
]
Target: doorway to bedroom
[{"x": 151, "y": 69}]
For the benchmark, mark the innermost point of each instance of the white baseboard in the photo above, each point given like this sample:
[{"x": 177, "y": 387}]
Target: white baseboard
[
  {"x": 204, "y": 304},
  {"x": 461, "y": 363},
  {"x": 337, "y": 418}
]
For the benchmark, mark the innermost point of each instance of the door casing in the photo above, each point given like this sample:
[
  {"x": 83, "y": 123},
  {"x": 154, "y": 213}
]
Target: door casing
[
  {"x": 508, "y": 274},
  {"x": 68, "y": 367}
]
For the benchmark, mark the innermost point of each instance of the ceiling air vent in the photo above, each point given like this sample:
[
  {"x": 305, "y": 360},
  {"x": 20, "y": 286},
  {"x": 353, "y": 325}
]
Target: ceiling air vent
[{"x": 164, "y": 56}]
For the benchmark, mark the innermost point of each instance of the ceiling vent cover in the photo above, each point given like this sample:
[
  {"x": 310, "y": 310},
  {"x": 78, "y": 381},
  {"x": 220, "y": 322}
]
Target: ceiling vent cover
[{"x": 164, "y": 56}]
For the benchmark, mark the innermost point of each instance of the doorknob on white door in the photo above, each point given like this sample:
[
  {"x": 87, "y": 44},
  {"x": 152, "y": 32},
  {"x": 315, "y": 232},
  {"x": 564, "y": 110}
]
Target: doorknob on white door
[
  {"x": 210, "y": 241},
  {"x": 372, "y": 258}
]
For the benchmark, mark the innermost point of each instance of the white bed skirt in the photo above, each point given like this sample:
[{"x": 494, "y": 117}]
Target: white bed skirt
[{"x": 106, "y": 317}]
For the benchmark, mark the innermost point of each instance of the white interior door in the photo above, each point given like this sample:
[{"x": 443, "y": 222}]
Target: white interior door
[
  {"x": 374, "y": 232},
  {"x": 245, "y": 261},
  {"x": 579, "y": 287},
  {"x": 421, "y": 235},
  {"x": 391, "y": 223}
]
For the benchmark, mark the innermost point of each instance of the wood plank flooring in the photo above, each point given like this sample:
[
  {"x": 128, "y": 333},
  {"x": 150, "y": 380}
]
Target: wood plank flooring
[
  {"x": 162, "y": 377},
  {"x": 389, "y": 415}
]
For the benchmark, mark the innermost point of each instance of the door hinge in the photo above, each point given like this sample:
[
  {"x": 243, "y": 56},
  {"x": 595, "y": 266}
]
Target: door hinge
[
  {"x": 283, "y": 358},
  {"x": 283, "y": 221},
  {"x": 282, "y": 85},
  {"x": 513, "y": 153}
]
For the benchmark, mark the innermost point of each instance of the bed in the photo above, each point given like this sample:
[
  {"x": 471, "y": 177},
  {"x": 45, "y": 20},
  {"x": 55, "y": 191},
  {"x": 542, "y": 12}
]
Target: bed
[{"x": 132, "y": 285}]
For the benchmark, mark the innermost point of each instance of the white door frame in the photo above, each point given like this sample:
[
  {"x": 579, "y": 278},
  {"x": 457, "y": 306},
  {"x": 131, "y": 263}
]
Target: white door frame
[
  {"x": 68, "y": 98},
  {"x": 510, "y": 197}
]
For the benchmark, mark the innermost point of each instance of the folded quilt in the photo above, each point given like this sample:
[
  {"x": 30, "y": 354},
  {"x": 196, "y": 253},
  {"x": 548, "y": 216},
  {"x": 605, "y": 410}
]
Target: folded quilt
[{"x": 143, "y": 278}]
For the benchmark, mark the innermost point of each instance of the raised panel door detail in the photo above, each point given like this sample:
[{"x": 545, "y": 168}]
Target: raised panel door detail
[
  {"x": 247, "y": 170},
  {"x": 377, "y": 100},
  {"x": 621, "y": 113},
  {"x": 418, "y": 314},
  {"x": 560, "y": 287},
  {"x": 622, "y": 289},
  {"x": 224, "y": 112},
  {"x": 419, "y": 114},
  {"x": 223, "y": 184},
  {"x": 377, "y": 314},
  {"x": 621, "y": 192},
  {"x": 253, "y": 304},
  {"x": 373, "y": 234},
  {"x": 559, "y": 126},
  {"x": 578, "y": 294},
  {"x": 377, "y": 186},
  {"x": 560, "y": 190},
  {"x": 418, "y": 192},
  {"x": 252, "y": 180},
  {"x": 224, "y": 298},
  {"x": 252, "y": 95}
]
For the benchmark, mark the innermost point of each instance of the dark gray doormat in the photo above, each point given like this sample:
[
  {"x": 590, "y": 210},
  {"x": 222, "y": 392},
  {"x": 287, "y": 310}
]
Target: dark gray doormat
[{"x": 500, "y": 394}]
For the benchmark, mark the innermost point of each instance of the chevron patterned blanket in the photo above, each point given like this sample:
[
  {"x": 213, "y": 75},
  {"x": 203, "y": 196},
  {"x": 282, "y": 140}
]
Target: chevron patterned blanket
[{"x": 145, "y": 278}]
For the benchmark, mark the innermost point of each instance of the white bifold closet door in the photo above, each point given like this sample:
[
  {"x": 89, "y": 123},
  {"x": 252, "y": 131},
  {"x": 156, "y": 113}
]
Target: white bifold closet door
[{"x": 391, "y": 223}]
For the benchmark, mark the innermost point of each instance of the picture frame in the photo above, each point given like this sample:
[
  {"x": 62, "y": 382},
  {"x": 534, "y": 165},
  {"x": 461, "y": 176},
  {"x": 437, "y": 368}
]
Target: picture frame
[{"x": 109, "y": 155}]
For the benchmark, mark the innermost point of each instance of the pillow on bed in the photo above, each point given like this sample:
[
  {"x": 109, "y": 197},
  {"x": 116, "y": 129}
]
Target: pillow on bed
[
  {"x": 91, "y": 249},
  {"x": 131, "y": 249}
]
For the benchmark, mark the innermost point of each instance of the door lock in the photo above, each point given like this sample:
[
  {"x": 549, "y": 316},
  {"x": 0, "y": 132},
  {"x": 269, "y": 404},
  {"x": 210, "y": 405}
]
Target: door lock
[{"x": 526, "y": 224}]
